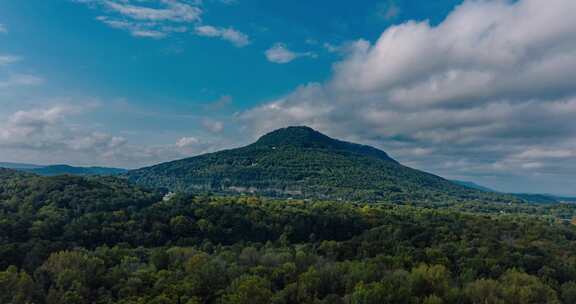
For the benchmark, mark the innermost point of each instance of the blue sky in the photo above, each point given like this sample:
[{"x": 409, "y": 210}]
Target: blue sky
[
  {"x": 135, "y": 82},
  {"x": 64, "y": 40}
]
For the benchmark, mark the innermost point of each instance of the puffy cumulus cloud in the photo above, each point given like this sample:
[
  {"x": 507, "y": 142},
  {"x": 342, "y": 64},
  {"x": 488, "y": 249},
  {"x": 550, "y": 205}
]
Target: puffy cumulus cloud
[
  {"x": 487, "y": 92},
  {"x": 492, "y": 49},
  {"x": 49, "y": 135},
  {"x": 46, "y": 129},
  {"x": 161, "y": 18},
  {"x": 3, "y": 28},
  {"x": 45, "y": 134},
  {"x": 279, "y": 53},
  {"x": 231, "y": 35}
]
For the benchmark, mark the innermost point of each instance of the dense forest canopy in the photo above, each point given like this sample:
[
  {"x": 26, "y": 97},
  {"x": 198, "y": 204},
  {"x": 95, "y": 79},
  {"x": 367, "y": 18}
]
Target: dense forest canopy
[{"x": 72, "y": 239}]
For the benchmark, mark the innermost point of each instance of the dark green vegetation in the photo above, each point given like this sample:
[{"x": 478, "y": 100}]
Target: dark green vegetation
[
  {"x": 302, "y": 163},
  {"x": 87, "y": 240}
]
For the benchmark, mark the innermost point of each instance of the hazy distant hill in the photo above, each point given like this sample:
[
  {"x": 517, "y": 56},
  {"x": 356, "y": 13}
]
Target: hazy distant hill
[
  {"x": 62, "y": 169},
  {"x": 473, "y": 185},
  {"x": 301, "y": 162},
  {"x": 65, "y": 169},
  {"x": 544, "y": 198},
  {"x": 527, "y": 197},
  {"x": 18, "y": 166}
]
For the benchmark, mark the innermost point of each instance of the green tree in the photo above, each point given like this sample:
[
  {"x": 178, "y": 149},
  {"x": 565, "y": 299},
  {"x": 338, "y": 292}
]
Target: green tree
[
  {"x": 569, "y": 292},
  {"x": 484, "y": 292},
  {"x": 430, "y": 280},
  {"x": 249, "y": 290},
  {"x": 522, "y": 288}
]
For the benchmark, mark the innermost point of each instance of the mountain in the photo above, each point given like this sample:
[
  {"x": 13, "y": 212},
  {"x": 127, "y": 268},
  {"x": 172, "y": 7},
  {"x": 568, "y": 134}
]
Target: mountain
[
  {"x": 536, "y": 198},
  {"x": 62, "y": 169},
  {"x": 301, "y": 162},
  {"x": 70, "y": 170},
  {"x": 544, "y": 198},
  {"x": 18, "y": 166},
  {"x": 564, "y": 199},
  {"x": 473, "y": 185}
]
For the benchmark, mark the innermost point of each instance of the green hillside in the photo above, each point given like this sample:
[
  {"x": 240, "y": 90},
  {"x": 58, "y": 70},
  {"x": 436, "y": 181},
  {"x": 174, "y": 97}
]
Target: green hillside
[{"x": 301, "y": 162}]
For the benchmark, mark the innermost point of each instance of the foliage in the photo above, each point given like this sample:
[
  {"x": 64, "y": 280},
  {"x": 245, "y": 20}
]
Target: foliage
[
  {"x": 99, "y": 240},
  {"x": 302, "y": 163}
]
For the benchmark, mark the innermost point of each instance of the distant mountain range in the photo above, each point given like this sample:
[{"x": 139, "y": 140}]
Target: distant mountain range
[
  {"x": 473, "y": 185},
  {"x": 528, "y": 197},
  {"x": 18, "y": 166},
  {"x": 52, "y": 170},
  {"x": 301, "y": 162}
]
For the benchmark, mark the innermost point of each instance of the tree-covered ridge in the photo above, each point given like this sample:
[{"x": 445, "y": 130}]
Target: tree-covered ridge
[
  {"x": 303, "y": 163},
  {"x": 305, "y": 137},
  {"x": 52, "y": 170},
  {"x": 71, "y": 170},
  {"x": 100, "y": 240}
]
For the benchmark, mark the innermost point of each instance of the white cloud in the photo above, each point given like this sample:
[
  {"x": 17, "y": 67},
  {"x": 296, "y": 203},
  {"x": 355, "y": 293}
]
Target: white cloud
[
  {"x": 45, "y": 133},
  {"x": 33, "y": 128},
  {"x": 148, "y": 34},
  {"x": 187, "y": 142},
  {"x": 495, "y": 48},
  {"x": 135, "y": 28},
  {"x": 279, "y": 53},
  {"x": 542, "y": 153},
  {"x": 492, "y": 80},
  {"x": 213, "y": 126},
  {"x": 228, "y": 2},
  {"x": 49, "y": 135},
  {"x": 160, "y": 19},
  {"x": 8, "y": 59},
  {"x": 3, "y": 28},
  {"x": 172, "y": 10},
  {"x": 21, "y": 80},
  {"x": 237, "y": 38}
]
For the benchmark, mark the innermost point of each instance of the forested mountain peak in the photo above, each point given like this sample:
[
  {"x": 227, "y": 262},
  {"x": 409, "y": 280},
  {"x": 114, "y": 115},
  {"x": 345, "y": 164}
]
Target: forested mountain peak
[
  {"x": 306, "y": 137},
  {"x": 303, "y": 163}
]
